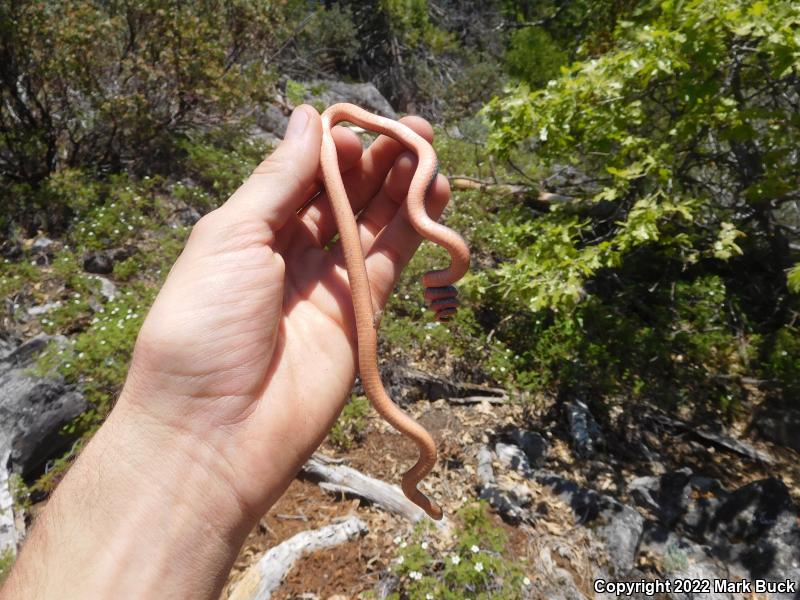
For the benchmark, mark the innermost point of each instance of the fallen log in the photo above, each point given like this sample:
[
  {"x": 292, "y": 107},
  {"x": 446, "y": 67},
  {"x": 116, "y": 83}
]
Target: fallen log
[
  {"x": 265, "y": 576},
  {"x": 340, "y": 479},
  {"x": 406, "y": 385},
  {"x": 477, "y": 400}
]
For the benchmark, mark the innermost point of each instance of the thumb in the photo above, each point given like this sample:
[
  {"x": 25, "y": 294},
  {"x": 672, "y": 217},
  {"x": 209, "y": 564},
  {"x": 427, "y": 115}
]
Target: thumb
[{"x": 280, "y": 185}]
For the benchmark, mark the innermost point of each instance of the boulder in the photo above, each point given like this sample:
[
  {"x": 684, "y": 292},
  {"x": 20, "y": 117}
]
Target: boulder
[
  {"x": 33, "y": 410},
  {"x": 365, "y": 95}
]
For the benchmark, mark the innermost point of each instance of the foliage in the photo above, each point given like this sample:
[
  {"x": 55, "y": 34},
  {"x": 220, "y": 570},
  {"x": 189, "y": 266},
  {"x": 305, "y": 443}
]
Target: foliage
[
  {"x": 475, "y": 563},
  {"x": 349, "y": 427},
  {"x": 7, "y": 558},
  {"x": 533, "y": 56},
  {"x": 675, "y": 149},
  {"x": 108, "y": 84}
]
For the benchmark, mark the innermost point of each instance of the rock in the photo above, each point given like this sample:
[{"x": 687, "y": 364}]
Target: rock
[
  {"x": 753, "y": 530},
  {"x": 42, "y": 245},
  {"x": 779, "y": 425},
  {"x": 33, "y": 410},
  {"x": 681, "y": 558},
  {"x": 586, "y": 433},
  {"x": 533, "y": 444},
  {"x": 42, "y": 309},
  {"x": 273, "y": 120},
  {"x": 102, "y": 261},
  {"x": 107, "y": 288},
  {"x": 677, "y": 496},
  {"x": 512, "y": 508},
  {"x": 8, "y": 528},
  {"x": 187, "y": 216},
  {"x": 98, "y": 262},
  {"x": 365, "y": 95},
  {"x": 512, "y": 457},
  {"x": 758, "y": 526},
  {"x": 6, "y": 347},
  {"x": 618, "y": 526}
]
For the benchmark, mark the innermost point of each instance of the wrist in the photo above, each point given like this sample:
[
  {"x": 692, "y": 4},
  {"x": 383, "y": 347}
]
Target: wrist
[{"x": 141, "y": 498}]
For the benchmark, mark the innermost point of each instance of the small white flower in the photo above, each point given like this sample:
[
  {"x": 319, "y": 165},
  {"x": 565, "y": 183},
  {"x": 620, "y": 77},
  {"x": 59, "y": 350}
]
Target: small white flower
[
  {"x": 455, "y": 559},
  {"x": 428, "y": 596},
  {"x": 400, "y": 560},
  {"x": 415, "y": 575},
  {"x": 404, "y": 544},
  {"x": 543, "y": 134},
  {"x": 526, "y": 581},
  {"x": 424, "y": 545},
  {"x": 475, "y": 549},
  {"x": 479, "y": 567}
]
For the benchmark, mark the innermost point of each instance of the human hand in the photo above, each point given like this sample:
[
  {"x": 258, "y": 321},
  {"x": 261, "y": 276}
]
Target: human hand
[{"x": 250, "y": 347}]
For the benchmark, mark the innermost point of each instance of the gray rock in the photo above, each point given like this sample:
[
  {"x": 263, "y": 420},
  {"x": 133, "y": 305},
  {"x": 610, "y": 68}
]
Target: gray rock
[
  {"x": 273, "y": 120},
  {"x": 42, "y": 245},
  {"x": 512, "y": 457},
  {"x": 753, "y": 530},
  {"x": 42, "y": 309},
  {"x": 533, "y": 444},
  {"x": 668, "y": 496},
  {"x": 33, "y": 410},
  {"x": 98, "y": 262},
  {"x": 586, "y": 433},
  {"x": 188, "y": 216},
  {"x": 757, "y": 526},
  {"x": 8, "y": 527},
  {"x": 618, "y": 526},
  {"x": 365, "y": 95},
  {"x": 102, "y": 262},
  {"x": 107, "y": 288},
  {"x": 681, "y": 558},
  {"x": 779, "y": 425}
]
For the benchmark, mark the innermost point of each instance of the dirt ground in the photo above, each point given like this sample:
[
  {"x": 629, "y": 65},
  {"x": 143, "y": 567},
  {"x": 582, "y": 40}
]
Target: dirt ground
[{"x": 356, "y": 567}]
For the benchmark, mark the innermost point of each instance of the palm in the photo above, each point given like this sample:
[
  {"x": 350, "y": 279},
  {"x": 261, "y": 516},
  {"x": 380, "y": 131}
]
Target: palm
[{"x": 254, "y": 327}]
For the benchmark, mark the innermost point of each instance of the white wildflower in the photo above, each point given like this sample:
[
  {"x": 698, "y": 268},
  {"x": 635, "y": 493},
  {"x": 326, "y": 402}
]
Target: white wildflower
[
  {"x": 455, "y": 559},
  {"x": 415, "y": 575},
  {"x": 479, "y": 566},
  {"x": 424, "y": 545},
  {"x": 543, "y": 134},
  {"x": 526, "y": 581},
  {"x": 475, "y": 549}
]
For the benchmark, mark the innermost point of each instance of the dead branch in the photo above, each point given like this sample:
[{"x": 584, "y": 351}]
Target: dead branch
[
  {"x": 265, "y": 576},
  {"x": 340, "y": 479}
]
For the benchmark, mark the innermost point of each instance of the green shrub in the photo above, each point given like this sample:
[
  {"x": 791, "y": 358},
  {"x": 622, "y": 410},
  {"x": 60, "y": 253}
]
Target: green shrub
[
  {"x": 533, "y": 56},
  {"x": 474, "y": 564},
  {"x": 108, "y": 83},
  {"x": 349, "y": 427}
]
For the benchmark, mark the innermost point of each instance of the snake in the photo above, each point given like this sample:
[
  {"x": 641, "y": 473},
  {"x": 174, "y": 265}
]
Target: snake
[{"x": 440, "y": 294}]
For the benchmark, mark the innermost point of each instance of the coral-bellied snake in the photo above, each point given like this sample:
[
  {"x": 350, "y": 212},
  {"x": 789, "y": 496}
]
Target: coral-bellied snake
[{"x": 439, "y": 293}]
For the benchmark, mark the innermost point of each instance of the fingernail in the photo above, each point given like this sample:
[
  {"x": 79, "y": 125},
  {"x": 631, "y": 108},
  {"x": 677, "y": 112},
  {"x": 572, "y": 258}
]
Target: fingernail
[{"x": 297, "y": 123}]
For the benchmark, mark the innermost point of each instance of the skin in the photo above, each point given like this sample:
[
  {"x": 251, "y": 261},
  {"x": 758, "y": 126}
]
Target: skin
[
  {"x": 240, "y": 370},
  {"x": 440, "y": 292}
]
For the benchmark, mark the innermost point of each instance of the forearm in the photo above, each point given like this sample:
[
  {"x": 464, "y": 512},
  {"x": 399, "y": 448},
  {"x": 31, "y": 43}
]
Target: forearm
[{"x": 144, "y": 512}]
